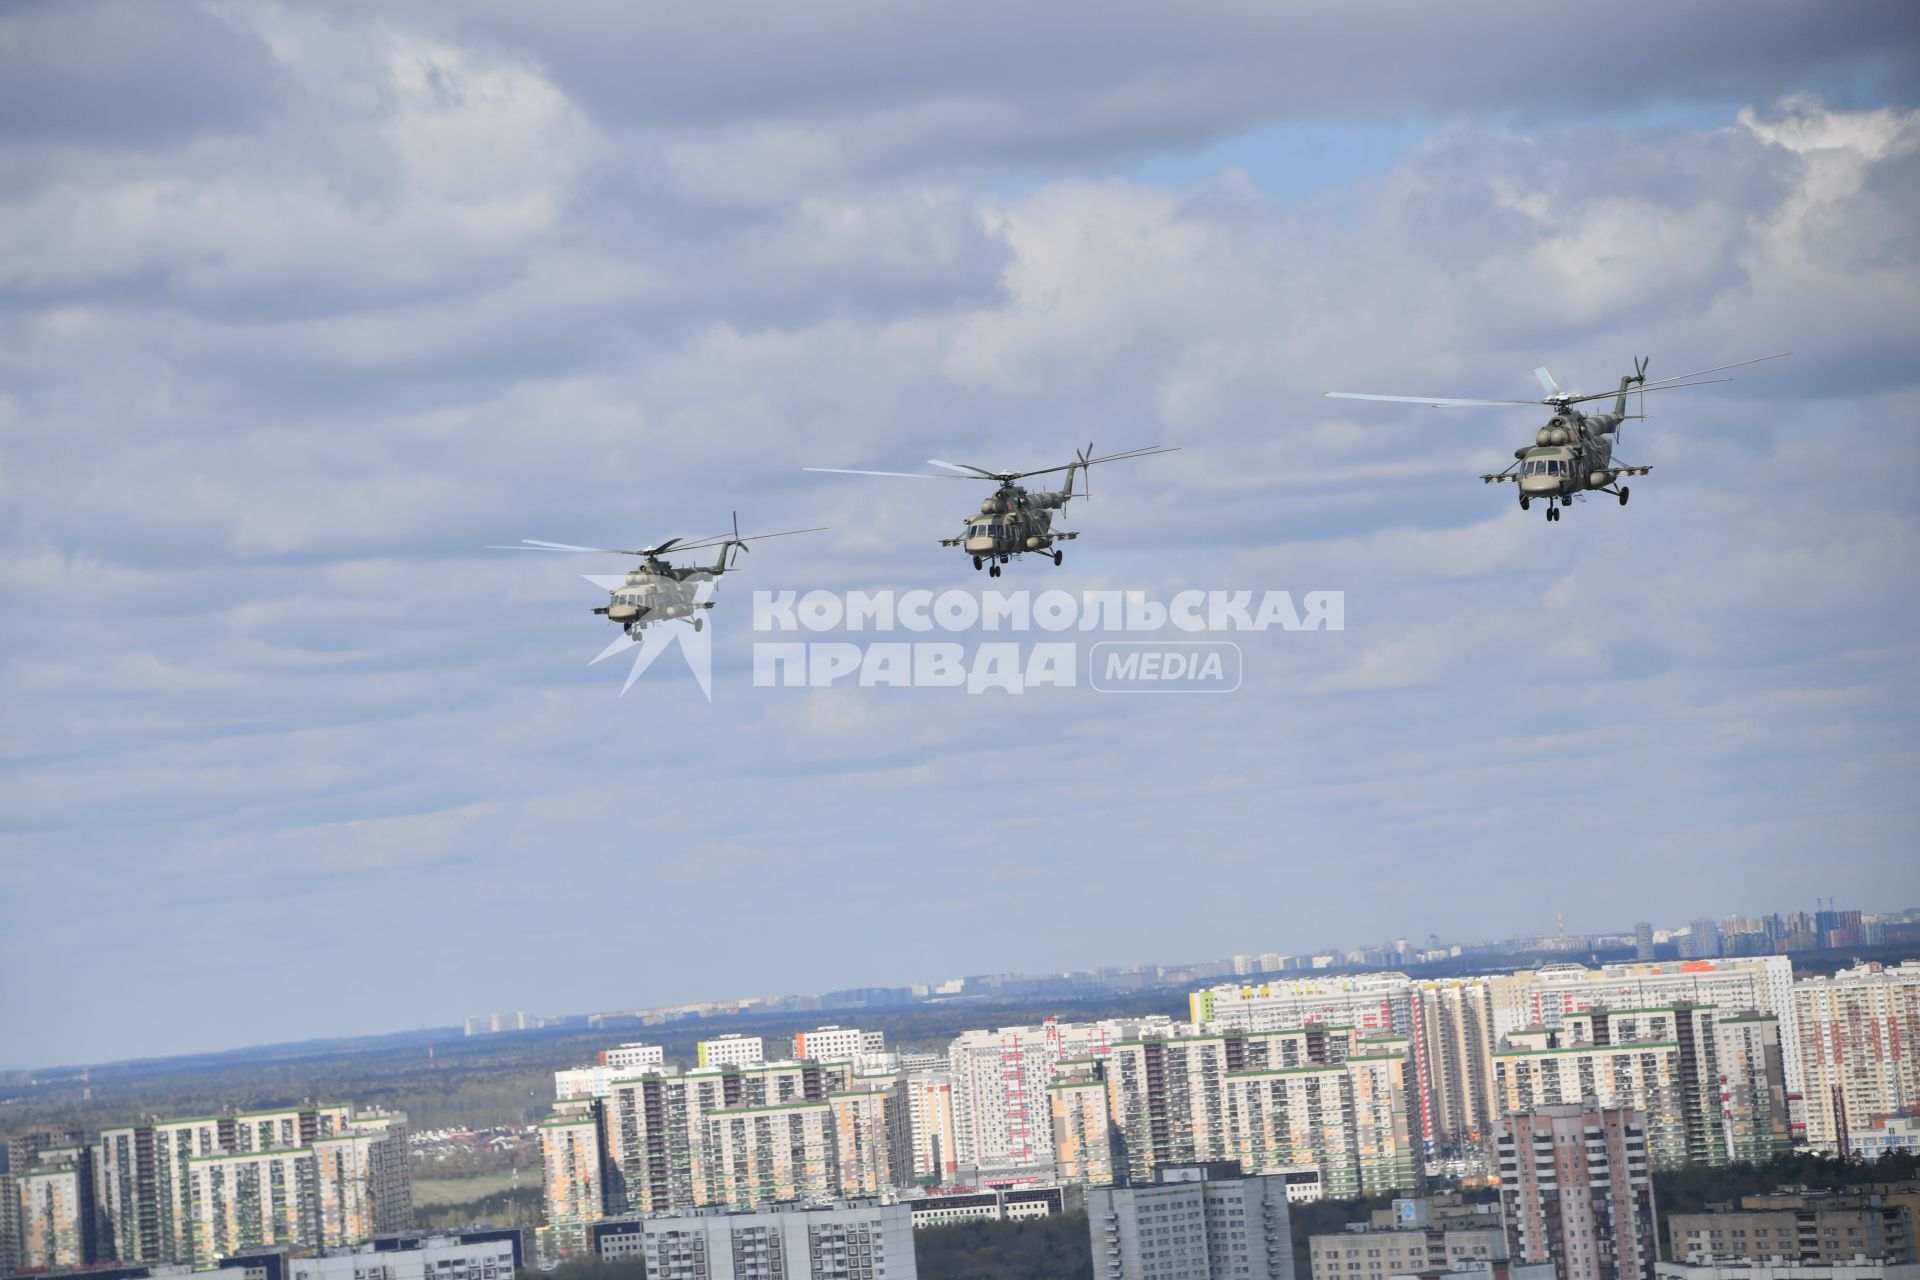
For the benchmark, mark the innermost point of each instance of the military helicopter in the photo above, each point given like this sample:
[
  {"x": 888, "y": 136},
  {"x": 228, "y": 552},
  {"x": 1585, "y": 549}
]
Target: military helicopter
[
  {"x": 656, "y": 591},
  {"x": 1573, "y": 453},
  {"x": 1013, "y": 521}
]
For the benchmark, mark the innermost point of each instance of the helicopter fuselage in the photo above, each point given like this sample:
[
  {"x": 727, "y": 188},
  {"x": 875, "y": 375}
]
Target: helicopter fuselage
[
  {"x": 656, "y": 591},
  {"x": 1011, "y": 523},
  {"x": 1570, "y": 455}
]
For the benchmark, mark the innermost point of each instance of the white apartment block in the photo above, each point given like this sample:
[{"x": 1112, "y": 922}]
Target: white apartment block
[
  {"x": 1857, "y": 1031},
  {"x": 850, "y": 1241},
  {"x": 1412, "y": 1244},
  {"x": 998, "y": 1205},
  {"x": 838, "y": 1044},
  {"x": 635, "y": 1057},
  {"x": 1193, "y": 1222},
  {"x": 733, "y": 1050},
  {"x": 431, "y": 1258}
]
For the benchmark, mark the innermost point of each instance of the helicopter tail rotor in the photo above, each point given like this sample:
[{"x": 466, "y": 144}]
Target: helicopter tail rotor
[{"x": 1082, "y": 455}]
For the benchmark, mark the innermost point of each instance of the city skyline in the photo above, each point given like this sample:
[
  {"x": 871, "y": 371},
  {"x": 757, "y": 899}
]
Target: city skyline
[{"x": 779, "y": 1002}]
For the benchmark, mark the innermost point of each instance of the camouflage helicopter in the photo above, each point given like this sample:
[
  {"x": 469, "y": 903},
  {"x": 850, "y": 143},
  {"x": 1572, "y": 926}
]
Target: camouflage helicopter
[
  {"x": 1573, "y": 453},
  {"x": 1013, "y": 521},
  {"x": 656, "y": 591}
]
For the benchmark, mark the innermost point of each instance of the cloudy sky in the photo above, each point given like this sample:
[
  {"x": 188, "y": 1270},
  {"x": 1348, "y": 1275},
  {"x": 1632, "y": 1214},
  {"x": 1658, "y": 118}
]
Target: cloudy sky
[{"x": 301, "y": 308}]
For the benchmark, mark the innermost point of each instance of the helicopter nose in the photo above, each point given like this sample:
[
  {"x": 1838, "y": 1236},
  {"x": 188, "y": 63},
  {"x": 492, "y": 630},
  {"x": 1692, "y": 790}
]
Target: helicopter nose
[
  {"x": 978, "y": 546},
  {"x": 1539, "y": 484}
]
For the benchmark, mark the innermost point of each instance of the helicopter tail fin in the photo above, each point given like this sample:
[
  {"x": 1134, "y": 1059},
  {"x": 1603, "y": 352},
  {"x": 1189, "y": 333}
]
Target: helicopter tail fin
[
  {"x": 1080, "y": 464},
  {"x": 723, "y": 564},
  {"x": 1638, "y": 376}
]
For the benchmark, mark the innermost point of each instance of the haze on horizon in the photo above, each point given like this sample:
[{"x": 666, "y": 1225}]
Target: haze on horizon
[{"x": 300, "y": 309}]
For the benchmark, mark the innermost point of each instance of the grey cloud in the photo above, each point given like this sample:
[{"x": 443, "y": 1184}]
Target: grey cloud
[{"x": 126, "y": 74}]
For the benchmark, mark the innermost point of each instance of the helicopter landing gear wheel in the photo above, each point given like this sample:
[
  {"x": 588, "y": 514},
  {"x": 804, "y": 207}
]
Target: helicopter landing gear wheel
[
  {"x": 1553, "y": 514},
  {"x": 1525, "y": 502},
  {"x": 1624, "y": 491},
  {"x": 699, "y": 624},
  {"x": 1058, "y": 556},
  {"x": 976, "y": 562},
  {"x": 993, "y": 571}
]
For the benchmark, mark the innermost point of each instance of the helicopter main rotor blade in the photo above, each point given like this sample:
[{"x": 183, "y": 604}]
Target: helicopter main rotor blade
[
  {"x": 1737, "y": 364},
  {"x": 1146, "y": 452},
  {"x": 1634, "y": 391},
  {"x": 725, "y": 538},
  {"x": 903, "y": 475},
  {"x": 1437, "y": 402},
  {"x": 536, "y": 544},
  {"x": 1547, "y": 383},
  {"x": 964, "y": 468},
  {"x": 784, "y": 533}
]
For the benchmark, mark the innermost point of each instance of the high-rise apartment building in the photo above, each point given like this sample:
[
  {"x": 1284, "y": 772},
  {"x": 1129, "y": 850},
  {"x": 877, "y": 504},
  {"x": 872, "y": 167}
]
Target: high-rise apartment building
[
  {"x": 189, "y": 1191},
  {"x": 1340, "y": 1108},
  {"x": 573, "y": 1153},
  {"x": 1753, "y": 1088},
  {"x": 1541, "y": 997},
  {"x": 1002, "y": 1119},
  {"x": 9, "y": 1224},
  {"x": 733, "y": 1136},
  {"x": 846, "y": 1241},
  {"x": 1576, "y": 1192},
  {"x": 1192, "y": 1222},
  {"x": 1448, "y": 1026},
  {"x": 1643, "y": 941},
  {"x": 57, "y": 1220},
  {"x": 1082, "y": 1123},
  {"x": 1321, "y": 1098},
  {"x": 925, "y": 1098},
  {"x": 1712, "y": 1091},
  {"x": 1857, "y": 1031}
]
